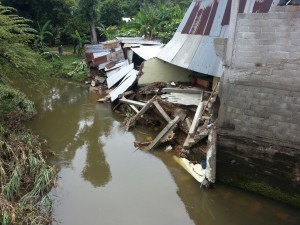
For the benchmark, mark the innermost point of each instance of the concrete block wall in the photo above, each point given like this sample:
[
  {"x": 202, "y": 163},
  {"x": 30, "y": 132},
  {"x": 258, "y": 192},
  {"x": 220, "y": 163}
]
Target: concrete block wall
[{"x": 260, "y": 95}]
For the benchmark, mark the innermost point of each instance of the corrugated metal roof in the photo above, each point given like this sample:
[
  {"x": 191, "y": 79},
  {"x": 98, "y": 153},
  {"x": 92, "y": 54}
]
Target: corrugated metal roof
[
  {"x": 127, "y": 81},
  {"x": 138, "y": 40},
  {"x": 148, "y": 52},
  {"x": 192, "y": 46}
]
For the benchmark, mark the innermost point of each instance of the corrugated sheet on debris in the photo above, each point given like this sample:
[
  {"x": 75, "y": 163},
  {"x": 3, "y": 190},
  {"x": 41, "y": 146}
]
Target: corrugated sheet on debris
[
  {"x": 192, "y": 46},
  {"x": 103, "y": 54}
]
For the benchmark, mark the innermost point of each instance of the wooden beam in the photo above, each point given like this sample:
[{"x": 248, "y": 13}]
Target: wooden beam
[
  {"x": 188, "y": 141},
  {"x": 170, "y": 125},
  {"x": 134, "y": 109},
  {"x": 188, "y": 122},
  {"x": 162, "y": 111},
  {"x": 132, "y": 120},
  {"x": 196, "y": 119},
  {"x": 145, "y": 108},
  {"x": 132, "y": 102}
]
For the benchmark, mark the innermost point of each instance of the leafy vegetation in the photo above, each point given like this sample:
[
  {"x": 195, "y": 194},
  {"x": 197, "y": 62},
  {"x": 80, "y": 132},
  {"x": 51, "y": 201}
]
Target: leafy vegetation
[
  {"x": 154, "y": 21},
  {"x": 81, "y": 40},
  {"x": 16, "y": 57},
  {"x": 25, "y": 178},
  {"x": 67, "y": 16},
  {"x": 43, "y": 33}
]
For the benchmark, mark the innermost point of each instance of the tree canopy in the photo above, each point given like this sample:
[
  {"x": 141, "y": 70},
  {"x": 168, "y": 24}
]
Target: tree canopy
[{"x": 68, "y": 16}]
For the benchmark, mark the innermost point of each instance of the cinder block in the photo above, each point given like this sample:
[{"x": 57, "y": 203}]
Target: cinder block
[
  {"x": 269, "y": 30},
  {"x": 297, "y": 100},
  {"x": 242, "y": 29},
  {"x": 294, "y": 55},
  {"x": 293, "y": 107},
  {"x": 265, "y": 102},
  {"x": 267, "y": 90},
  {"x": 266, "y": 42},
  {"x": 249, "y": 35},
  {"x": 253, "y": 29},
  {"x": 295, "y": 42},
  {"x": 276, "y": 117}
]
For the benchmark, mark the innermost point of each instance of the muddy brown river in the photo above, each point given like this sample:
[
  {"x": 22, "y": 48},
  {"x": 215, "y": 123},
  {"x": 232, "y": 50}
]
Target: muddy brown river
[{"x": 103, "y": 179}]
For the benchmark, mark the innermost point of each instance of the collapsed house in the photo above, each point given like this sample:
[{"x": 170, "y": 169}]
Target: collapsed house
[{"x": 231, "y": 40}]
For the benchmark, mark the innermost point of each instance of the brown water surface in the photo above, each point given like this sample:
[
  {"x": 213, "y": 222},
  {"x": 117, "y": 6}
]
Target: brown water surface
[{"x": 103, "y": 179}]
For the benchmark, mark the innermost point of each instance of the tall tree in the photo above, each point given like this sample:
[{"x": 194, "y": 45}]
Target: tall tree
[
  {"x": 111, "y": 12},
  {"x": 89, "y": 11}
]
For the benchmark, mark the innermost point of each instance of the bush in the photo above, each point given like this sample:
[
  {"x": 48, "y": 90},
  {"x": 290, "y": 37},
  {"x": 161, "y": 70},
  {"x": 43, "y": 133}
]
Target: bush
[{"x": 14, "y": 104}]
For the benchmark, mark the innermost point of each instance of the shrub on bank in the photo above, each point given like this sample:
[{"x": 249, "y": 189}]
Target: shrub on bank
[{"x": 25, "y": 177}]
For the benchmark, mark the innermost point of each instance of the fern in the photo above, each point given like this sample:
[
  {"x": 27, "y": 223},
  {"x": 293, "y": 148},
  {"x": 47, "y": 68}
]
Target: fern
[{"x": 16, "y": 56}]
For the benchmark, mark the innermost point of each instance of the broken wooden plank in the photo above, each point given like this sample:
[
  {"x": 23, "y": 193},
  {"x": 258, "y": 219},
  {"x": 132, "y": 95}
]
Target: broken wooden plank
[
  {"x": 132, "y": 102},
  {"x": 145, "y": 108},
  {"x": 132, "y": 120},
  {"x": 188, "y": 142},
  {"x": 188, "y": 122},
  {"x": 162, "y": 111},
  {"x": 134, "y": 109},
  {"x": 162, "y": 133},
  {"x": 216, "y": 89}
]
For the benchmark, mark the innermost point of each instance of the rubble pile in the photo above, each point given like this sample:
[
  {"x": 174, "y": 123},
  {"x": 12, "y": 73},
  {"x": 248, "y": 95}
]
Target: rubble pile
[{"x": 183, "y": 112}]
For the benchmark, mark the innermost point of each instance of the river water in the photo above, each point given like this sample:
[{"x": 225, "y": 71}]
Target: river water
[{"x": 103, "y": 179}]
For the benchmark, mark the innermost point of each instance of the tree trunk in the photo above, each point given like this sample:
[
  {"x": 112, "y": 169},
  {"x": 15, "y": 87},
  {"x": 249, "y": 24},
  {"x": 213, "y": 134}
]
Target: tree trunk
[{"x": 93, "y": 34}]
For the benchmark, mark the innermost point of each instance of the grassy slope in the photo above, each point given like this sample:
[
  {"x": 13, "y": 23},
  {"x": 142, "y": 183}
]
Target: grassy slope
[{"x": 25, "y": 177}]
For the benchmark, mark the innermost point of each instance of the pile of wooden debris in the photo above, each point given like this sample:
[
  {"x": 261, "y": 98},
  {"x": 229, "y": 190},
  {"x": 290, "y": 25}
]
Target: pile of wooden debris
[{"x": 185, "y": 114}]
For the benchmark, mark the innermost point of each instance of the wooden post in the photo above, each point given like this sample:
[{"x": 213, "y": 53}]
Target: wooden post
[
  {"x": 132, "y": 120},
  {"x": 196, "y": 119},
  {"x": 162, "y": 111},
  {"x": 132, "y": 102}
]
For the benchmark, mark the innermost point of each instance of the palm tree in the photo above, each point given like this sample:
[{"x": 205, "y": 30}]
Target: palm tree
[{"x": 80, "y": 41}]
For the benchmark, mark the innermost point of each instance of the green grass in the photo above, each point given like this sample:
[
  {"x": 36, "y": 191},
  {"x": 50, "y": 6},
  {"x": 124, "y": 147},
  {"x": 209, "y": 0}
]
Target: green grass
[{"x": 67, "y": 65}]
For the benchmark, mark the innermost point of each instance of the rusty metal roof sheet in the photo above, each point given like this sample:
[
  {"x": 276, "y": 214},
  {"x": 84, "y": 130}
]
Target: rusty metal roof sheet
[{"x": 192, "y": 46}]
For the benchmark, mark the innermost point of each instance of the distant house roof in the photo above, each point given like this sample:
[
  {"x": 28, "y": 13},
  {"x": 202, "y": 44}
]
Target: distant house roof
[
  {"x": 138, "y": 40},
  {"x": 192, "y": 46}
]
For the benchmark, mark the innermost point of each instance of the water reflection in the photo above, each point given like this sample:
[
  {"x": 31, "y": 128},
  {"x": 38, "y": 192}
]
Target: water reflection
[
  {"x": 103, "y": 179},
  {"x": 70, "y": 118},
  {"x": 226, "y": 205}
]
